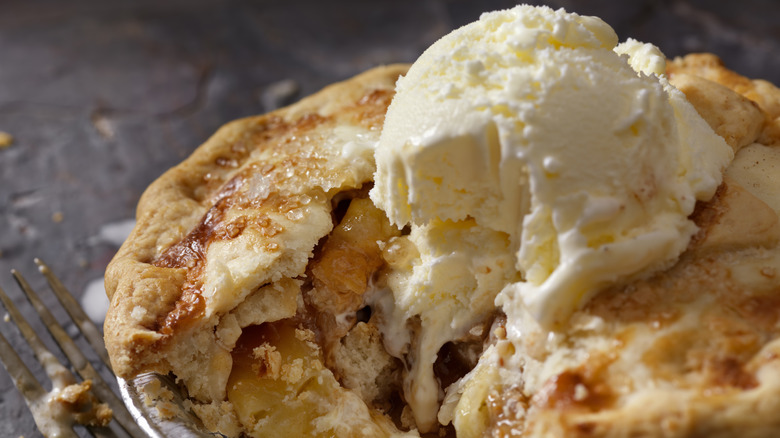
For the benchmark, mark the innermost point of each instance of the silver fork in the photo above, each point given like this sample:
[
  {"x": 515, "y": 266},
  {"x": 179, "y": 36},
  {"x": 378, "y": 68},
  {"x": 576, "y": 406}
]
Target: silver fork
[{"x": 54, "y": 418}]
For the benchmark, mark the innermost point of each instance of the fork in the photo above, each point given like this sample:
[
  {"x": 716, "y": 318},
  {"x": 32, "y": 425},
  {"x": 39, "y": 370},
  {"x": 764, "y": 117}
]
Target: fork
[{"x": 50, "y": 410}]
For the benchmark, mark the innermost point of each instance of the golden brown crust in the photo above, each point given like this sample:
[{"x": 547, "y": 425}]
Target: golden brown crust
[
  {"x": 260, "y": 182},
  {"x": 733, "y": 116},
  {"x": 764, "y": 94}
]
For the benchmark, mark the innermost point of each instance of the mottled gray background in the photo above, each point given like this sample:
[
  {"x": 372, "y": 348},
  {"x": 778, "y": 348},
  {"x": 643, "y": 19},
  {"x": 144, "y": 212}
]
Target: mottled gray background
[{"x": 102, "y": 97}]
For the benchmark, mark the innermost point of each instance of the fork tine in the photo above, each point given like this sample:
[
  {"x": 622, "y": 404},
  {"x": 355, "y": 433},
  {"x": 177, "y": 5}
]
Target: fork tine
[
  {"x": 82, "y": 366},
  {"x": 22, "y": 377},
  {"x": 53, "y": 367},
  {"x": 58, "y": 333},
  {"x": 32, "y": 391},
  {"x": 102, "y": 432},
  {"x": 84, "y": 323}
]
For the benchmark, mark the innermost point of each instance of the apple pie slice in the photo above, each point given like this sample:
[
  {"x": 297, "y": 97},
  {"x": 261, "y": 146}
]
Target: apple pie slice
[{"x": 257, "y": 277}]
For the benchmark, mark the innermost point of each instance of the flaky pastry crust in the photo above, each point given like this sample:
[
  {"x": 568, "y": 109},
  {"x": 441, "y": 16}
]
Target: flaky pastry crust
[
  {"x": 256, "y": 194},
  {"x": 224, "y": 239}
]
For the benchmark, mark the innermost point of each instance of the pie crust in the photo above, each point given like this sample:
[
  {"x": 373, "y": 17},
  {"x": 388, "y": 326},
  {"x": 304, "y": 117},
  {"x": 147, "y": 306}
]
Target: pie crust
[
  {"x": 252, "y": 235},
  {"x": 223, "y": 240}
]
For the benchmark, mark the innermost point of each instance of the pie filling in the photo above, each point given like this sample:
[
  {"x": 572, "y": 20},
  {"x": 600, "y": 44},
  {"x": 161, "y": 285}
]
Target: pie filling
[{"x": 285, "y": 373}]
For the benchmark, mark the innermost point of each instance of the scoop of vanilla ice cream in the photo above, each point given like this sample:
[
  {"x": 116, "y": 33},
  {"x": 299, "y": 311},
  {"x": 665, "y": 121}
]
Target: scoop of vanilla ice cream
[
  {"x": 452, "y": 136},
  {"x": 533, "y": 122},
  {"x": 531, "y": 146}
]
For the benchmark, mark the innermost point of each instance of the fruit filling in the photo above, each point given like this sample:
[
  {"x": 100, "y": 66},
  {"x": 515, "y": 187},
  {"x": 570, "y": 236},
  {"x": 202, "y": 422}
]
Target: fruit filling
[
  {"x": 278, "y": 384},
  {"x": 286, "y": 373}
]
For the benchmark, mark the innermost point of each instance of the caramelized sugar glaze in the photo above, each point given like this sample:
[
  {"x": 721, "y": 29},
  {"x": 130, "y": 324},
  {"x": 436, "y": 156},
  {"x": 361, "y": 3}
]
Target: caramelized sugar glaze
[{"x": 190, "y": 252}]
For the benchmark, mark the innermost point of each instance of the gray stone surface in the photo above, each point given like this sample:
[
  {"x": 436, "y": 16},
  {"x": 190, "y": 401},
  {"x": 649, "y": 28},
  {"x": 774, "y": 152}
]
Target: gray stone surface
[{"x": 102, "y": 97}]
